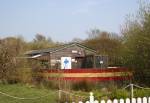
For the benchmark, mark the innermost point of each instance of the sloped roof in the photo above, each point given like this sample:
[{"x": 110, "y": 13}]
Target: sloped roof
[{"x": 56, "y": 49}]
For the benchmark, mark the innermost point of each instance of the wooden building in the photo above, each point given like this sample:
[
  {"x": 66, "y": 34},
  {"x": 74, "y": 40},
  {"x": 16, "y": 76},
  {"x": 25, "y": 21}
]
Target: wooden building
[
  {"x": 85, "y": 64},
  {"x": 81, "y": 56}
]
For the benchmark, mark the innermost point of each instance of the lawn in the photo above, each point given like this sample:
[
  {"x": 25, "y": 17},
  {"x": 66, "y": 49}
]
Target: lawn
[
  {"x": 51, "y": 96},
  {"x": 19, "y": 90}
]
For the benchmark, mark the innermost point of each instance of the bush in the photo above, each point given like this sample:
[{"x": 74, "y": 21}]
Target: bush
[
  {"x": 25, "y": 75},
  {"x": 98, "y": 95},
  {"x": 83, "y": 86},
  {"x": 119, "y": 93},
  {"x": 141, "y": 93},
  {"x": 50, "y": 84}
]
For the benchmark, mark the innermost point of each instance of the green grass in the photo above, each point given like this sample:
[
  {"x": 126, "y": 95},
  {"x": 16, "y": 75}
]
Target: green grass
[{"x": 23, "y": 91}]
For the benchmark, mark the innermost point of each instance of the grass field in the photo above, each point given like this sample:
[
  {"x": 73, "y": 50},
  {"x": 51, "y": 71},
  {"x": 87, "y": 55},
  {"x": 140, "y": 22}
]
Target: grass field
[{"x": 23, "y": 91}]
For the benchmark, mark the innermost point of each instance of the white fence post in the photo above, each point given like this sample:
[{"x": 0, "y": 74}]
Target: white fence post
[
  {"x": 144, "y": 100},
  {"x": 109, "y": 101},
  {"x": 96, "y": 101},
  {"x": 102, "y": 101},
  {"x": 115, "y": 101},
  {"x": 133, "y": 100},
  {"x": 127, "y": 100},
  {"x": 139, "y": 100},
  {"x": 91, "y": 98},
  {"x": 121, "y": 100}
]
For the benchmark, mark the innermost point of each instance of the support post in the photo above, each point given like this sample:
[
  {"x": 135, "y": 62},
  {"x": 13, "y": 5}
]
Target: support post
[
  {"x": 132, "y": 95},
  {"x": 59, "y": 95}
]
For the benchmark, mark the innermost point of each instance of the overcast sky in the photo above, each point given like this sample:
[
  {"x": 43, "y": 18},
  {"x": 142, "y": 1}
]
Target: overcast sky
[{"x": 62, "y": 20}]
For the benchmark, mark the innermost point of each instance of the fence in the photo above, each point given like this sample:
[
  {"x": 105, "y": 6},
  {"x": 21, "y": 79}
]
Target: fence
[{"x": 127, "y": 100}]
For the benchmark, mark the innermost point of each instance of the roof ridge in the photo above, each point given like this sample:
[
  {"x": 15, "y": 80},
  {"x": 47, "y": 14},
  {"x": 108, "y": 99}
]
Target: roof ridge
[{"x": 60, "y": 47}]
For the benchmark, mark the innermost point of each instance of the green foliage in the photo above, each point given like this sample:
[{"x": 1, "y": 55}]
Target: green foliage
[
  {"x": 25, "y": 75},
  {"x": 119, "y": 93},
  {"x": 40, "y": 42},
  {"x": 83, "y": 86},
  {"x": 141, "y": 93},
  {"x": 100, "y": 94},
  {"x": 50, "y": 84},
  {"x": 8, "y": 56},
  {"x": 105, "y": 44},
  {"x": 136, "y": 43}
]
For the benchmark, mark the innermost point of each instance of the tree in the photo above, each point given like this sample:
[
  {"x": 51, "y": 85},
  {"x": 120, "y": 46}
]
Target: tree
[
  {"x": 93, "y": 33},
  {"x": 39, "y": 37},
  {"x": 5, "y": 63},
  {"x": 78, "y": 40},
  {"x": 11, "y": 49},
  {"x": 105, "y": 44},
  {"x": 40, "y": 42},
  {"x": 136, "y": 41}
]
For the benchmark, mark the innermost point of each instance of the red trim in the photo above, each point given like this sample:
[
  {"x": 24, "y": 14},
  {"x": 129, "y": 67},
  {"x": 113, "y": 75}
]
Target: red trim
[
  {"x": 89, "y": 70},
  {"x": 90, "y": 78},
  {"x": 92, "y": 70}
]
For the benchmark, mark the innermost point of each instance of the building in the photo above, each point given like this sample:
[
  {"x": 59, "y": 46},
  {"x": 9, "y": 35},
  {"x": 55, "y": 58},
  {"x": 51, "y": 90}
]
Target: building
[
  {"x": 68, "y": 56},
  {"x": 75, "y": 62}
]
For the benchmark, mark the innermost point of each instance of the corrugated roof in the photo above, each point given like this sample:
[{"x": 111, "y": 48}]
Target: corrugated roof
[{"x": 52, "y": 50}]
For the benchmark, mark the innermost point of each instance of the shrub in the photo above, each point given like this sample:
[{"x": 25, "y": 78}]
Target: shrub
[
  {"x": 83, "y": 85},
  {"x": 25, "y": 75},
  {"x": 50, "y": 84},
  {"x": 119, "y": 93},
  {"x": 141, "y": 93}
]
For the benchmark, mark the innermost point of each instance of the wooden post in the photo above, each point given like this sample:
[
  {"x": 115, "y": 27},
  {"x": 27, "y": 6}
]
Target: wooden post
[
  {"x": 59, "y": 95},
  {"x": 132, "y": 95}
]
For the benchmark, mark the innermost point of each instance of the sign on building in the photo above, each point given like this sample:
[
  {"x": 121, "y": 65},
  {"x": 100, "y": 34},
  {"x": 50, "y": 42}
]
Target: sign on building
[{"x": 65, "y": 62}]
